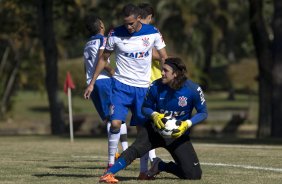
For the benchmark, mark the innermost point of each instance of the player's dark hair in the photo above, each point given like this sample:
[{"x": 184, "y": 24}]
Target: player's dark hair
[
  {"x": 130, "y": 9},
  {"x": 180, "y": 69},
  {"x": 145, "y": 10},
  {"x": 93, "y": 24}
]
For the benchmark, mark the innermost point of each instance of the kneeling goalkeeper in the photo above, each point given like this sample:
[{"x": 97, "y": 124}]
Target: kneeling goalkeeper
[{"x": 177, "y": 95}]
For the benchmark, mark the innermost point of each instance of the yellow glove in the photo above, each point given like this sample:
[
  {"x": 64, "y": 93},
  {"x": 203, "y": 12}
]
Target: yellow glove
[
  {"x": 184, "y": 125},
  {"x": 157, "y": 119}
]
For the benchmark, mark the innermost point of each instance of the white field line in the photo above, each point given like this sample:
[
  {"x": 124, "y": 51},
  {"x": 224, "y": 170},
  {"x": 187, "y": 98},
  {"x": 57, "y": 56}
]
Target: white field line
[
  {"x": 243, "y": 166},
  {"x": 202, "y": 163},
  {"x": 237, "y": 146}
]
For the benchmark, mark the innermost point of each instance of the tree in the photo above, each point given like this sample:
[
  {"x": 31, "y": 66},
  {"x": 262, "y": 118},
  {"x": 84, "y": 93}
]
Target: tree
[
  {"x": 269, "y": 55},
  {"x": 47, "y": 35},
  {"x": 276, "y": 128}
]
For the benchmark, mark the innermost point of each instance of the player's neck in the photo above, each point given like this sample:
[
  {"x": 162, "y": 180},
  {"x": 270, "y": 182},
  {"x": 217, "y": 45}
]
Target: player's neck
[{"x": 139, "y": 26}]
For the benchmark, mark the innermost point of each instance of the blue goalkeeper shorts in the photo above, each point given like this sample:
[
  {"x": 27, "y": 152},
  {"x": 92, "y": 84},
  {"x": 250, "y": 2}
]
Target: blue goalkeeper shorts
[
  {"x": 101, "y": 97},
  {"x": 126, "y": 97}
]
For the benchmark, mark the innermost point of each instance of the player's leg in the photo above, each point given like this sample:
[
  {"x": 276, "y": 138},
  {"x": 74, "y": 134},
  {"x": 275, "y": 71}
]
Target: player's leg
[
  {"x": 101, "y": 97},
  {"x": 123, "y": 136},
  {"x": 119, "y": 111},
  {"x": 146, "y": 140},
  {"x": 123, "y": 139},
  {"x": 113, "y": 139},
  {"x": 152, "y": 155},
  {"x": 143, "y": 168},
  {"x": 137, "y": 149},
  {"x": 138, "y": 120},
  {"x": 186, "y": 165}
]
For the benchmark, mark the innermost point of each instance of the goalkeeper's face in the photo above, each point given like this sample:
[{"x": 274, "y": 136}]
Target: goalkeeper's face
[{"x": 167, "y": 74}]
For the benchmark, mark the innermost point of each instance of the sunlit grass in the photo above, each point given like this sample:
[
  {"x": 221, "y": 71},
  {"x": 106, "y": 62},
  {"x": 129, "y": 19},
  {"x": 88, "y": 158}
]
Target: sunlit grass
[{"x": 46, "y": 159}]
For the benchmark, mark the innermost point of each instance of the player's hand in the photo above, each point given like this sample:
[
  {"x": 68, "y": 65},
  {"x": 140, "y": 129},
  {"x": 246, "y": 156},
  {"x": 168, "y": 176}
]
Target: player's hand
[
  {"x": 88, "y": 91},
  {"x": 157, "y": 119},
  {"x": 184, "y": 125}
]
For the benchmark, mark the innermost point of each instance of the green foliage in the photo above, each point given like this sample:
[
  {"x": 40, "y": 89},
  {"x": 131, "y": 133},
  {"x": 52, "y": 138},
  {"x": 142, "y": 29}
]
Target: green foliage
[{"x": 76, "y": 69}]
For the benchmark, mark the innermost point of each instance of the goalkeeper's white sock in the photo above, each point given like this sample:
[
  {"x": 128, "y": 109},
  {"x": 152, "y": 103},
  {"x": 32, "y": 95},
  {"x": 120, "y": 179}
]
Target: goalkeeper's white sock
[
  {"x": 123, "y": 136},
  {"x": 144, "y": 163},
  {"x": 152, "y": 155},
  {"x": 113, "y": 138}
]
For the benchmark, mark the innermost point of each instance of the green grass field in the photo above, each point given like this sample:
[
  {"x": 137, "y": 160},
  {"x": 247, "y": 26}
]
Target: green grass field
[{"x": 47, "y": 159}]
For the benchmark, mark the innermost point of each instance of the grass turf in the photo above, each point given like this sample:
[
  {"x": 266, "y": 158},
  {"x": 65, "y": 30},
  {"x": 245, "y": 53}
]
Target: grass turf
[{"x": 48, "y": 159}]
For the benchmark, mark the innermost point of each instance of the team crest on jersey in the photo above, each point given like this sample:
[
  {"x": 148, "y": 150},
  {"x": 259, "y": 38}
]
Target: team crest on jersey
[
  {"x": 182, "y": 101},
  {"x": 146, "y": 42}
]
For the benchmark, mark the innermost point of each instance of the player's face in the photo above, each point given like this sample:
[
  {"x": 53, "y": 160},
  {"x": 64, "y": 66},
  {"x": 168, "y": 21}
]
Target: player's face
[
  {"x": 102, "y": 27},
  {"x": 132, "y": 24},
  {"x": 167, "y": 74}
]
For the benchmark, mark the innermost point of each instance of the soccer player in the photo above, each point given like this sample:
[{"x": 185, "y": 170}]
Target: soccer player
[
  {"x": 132, "y": 43},
  {"x": 147, "y": 17},
  {"x": 177, "y": 95},
  {"x": 102, "y": 92},
  {"x": 147, "y": 14}
]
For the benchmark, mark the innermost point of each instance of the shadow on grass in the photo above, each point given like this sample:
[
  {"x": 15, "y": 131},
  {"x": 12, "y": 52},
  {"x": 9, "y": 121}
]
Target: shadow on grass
[
  {"x": 64, "y": 175},
  {"x": 68, "y": 167},
  {"x": 40, "y": 109},
  {"x": 92, "y": 167}
]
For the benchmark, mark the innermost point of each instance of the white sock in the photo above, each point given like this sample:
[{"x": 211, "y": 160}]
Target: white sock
[
  {"x": 152, "y": 155},
  {"x": 113, "y": 139},
  {"x": 123, "y": 132},
  {"x": 144, "y": 163}
]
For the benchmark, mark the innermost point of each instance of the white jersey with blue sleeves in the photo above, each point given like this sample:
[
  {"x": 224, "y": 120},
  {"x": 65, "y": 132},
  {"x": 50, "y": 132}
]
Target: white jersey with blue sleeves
[
  {"x": 134, "y": 53},
  {"x": 91, "y": 56}
]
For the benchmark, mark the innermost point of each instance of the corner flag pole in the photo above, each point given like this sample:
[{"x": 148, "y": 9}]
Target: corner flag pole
[
  {"x": 67, "y": 89},
  {"x": 70, "y": 114}
]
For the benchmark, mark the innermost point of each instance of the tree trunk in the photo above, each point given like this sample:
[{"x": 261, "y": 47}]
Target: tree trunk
[
  {"x": 277, "y": 74},
  {"x": 8, "y": 90},
  {"x": 264, "y": 56},
  {"x": 208, "y": 49},
  {"x": 50, "y": 53}
]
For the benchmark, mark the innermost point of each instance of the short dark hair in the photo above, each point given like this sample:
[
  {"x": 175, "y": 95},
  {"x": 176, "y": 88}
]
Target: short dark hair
[
  {"x": 93, "y": 24},
  {"x": 145, "y": 10},
  {"x": 180, "y": 69},
  {"x": 130, "y": 9}
]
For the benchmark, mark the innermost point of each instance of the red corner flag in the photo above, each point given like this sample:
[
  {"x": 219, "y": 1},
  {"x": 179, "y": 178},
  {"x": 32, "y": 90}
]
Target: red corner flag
[{"x": 68, "y": 83}]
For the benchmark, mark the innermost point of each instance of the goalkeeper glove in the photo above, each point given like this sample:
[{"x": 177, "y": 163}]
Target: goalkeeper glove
[
  {"x": 157, "y": 119},
  {"x": 184, "y": 125}
]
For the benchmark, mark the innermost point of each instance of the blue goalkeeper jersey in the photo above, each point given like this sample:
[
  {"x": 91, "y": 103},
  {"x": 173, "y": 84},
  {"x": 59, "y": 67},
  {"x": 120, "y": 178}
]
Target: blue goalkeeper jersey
[{"x": 180, "y": 103}]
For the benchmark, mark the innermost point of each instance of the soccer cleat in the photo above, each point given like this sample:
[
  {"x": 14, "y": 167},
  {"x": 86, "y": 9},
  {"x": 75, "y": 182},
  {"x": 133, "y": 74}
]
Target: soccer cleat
[
  {"x": 154, "y": 170},
  {"x": 108, "y": 178},
  {"x": 144, "y": 176}
]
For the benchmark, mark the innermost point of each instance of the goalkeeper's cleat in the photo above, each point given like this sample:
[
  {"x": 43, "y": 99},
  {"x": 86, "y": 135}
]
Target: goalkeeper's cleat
[
  {"x": 144, "y": 176},
  {"x": 116, "y": 155},
  {"x": 154, "y": 170},
  {"x": 108, "y": 178}
]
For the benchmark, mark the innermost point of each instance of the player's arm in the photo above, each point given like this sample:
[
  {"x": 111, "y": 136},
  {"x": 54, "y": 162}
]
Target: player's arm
[
  {"x": 103, "y": 61},
  {"x": 155, "y": 54},
  {"x": 109, "y": 69},
  {"x": 201, "y": 114},
  {"x": 162, "y": 55},
  {"x": 200, "y": 106},
  {"x": 149, "y": 110}
]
